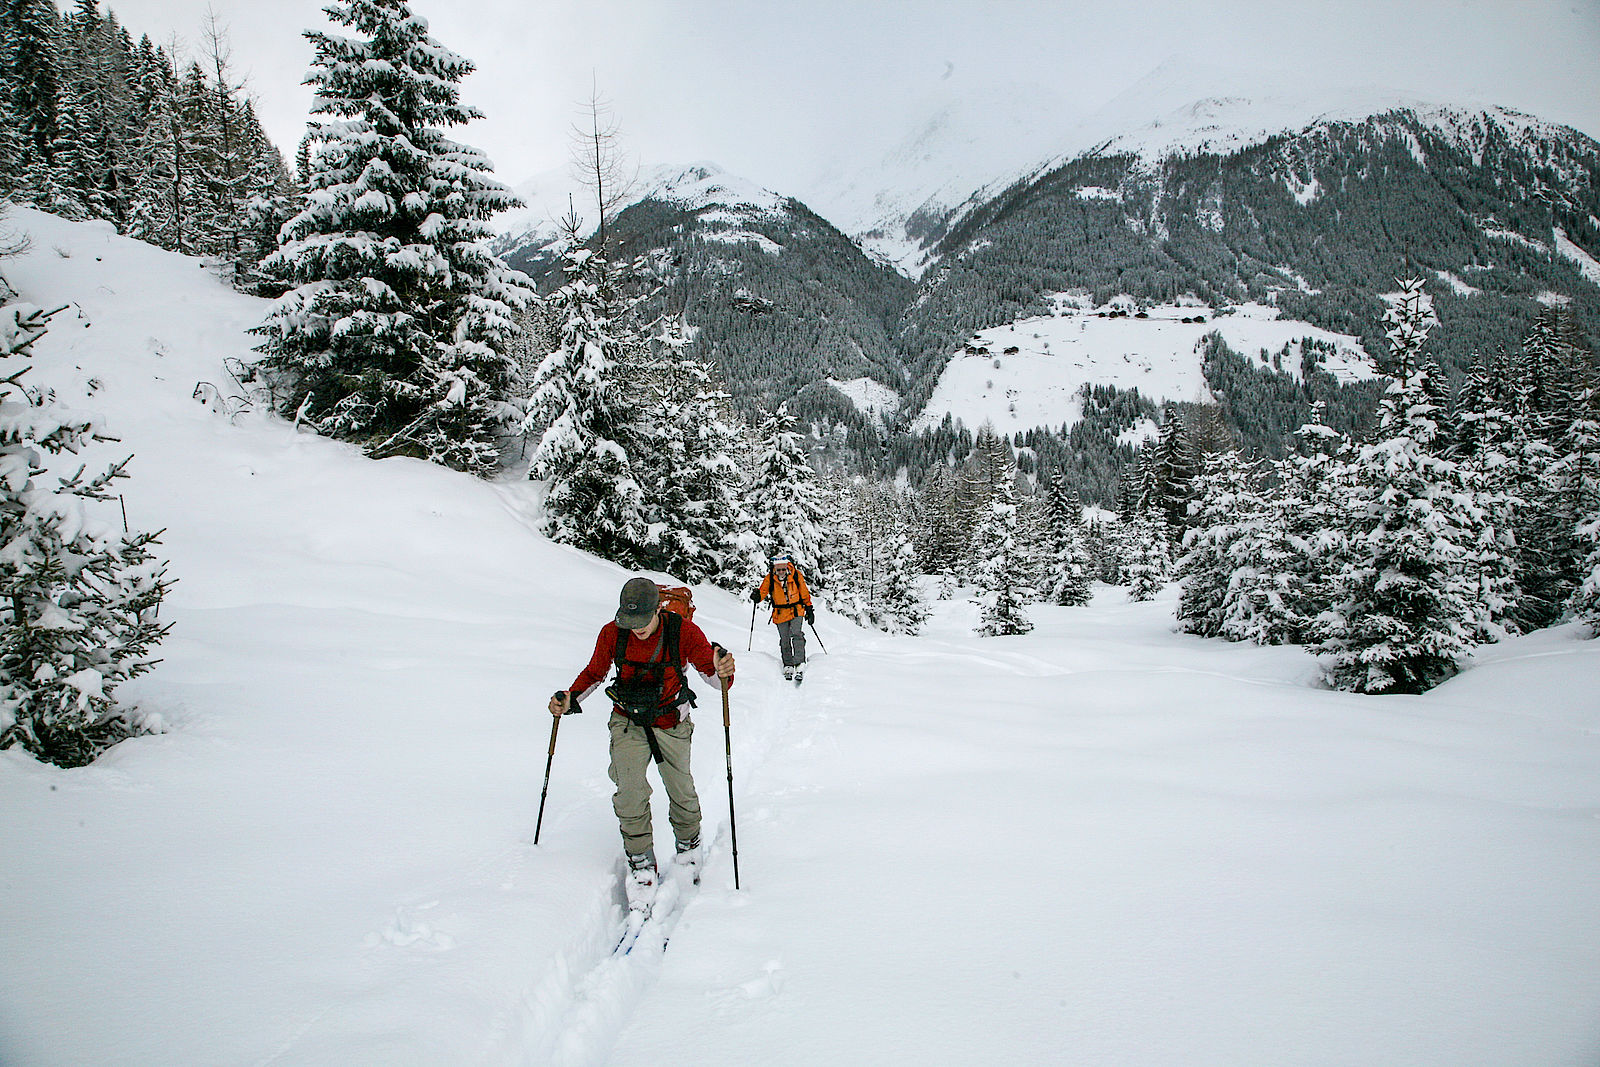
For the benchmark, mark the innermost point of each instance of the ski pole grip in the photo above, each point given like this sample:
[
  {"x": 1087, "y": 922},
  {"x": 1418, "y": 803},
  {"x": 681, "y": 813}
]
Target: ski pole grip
[{"x": 572, "y": 702}]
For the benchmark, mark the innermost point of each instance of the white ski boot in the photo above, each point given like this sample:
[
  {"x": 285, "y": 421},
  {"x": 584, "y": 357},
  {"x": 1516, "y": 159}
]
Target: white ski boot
[
  {"x": 688, "y": 858},
  {"x": 641, "y": 882}
]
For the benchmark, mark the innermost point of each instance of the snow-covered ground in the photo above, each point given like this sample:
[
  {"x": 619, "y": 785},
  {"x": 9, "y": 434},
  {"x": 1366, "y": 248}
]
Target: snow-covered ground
[
  {"x": 1102, "y": 843},
  {"x": 869, "y": 396},
  {"x": 1055, "y": 356}
]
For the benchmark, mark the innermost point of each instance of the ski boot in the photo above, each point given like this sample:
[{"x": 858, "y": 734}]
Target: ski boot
[
  {"x": 688, "y": 857},
  {"x": 642, "y": 879}
]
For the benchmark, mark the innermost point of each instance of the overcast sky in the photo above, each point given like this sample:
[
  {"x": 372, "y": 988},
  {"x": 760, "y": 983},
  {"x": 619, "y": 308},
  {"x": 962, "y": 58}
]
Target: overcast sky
[{"x": 775, "y": 89}]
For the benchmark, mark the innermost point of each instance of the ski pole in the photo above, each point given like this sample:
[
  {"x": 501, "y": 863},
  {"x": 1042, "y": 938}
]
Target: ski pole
[
  {"x": 751, "y": 643},
  {"x": 555, "y": 726},
  {"x": 727, "y": 744},
  {"x": 817, "y": 636}
]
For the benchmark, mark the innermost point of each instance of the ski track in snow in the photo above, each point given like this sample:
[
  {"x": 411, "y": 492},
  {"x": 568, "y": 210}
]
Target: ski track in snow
[{"x": 572, "y": 1015}]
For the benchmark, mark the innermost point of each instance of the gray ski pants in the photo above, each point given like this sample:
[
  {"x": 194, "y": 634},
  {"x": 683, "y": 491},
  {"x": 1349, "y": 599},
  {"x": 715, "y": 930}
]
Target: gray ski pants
[
  {"x": 792, "y": 641},
  {"x": 630, "y": 757}
]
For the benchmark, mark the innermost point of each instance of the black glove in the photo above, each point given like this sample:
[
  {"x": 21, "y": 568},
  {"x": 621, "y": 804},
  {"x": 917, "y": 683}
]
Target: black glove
[
  {"x": 755, "y": 596},
  {"x": 810, "y": 615}
]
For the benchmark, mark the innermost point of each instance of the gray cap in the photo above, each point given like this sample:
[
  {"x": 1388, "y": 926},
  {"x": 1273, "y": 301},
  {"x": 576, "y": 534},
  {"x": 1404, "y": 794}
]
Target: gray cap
[{"x": 638, "y": 603}]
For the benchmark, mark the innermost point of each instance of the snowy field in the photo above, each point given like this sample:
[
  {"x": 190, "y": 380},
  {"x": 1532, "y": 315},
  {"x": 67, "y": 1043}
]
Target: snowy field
[
  {"x": 1102, "y": 843},
  {"x": 1056, "y": 355}
]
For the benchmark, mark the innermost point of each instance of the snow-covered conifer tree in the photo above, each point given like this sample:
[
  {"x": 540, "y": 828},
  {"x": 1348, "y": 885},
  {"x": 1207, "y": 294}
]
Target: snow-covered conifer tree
[
  {"x": 1321, "y": 477},
  {"x": 1147, "y": 554},
  {"x": 78, "y": 596},
  {"x": 31, "y": 65},
  {"x": 1205, "y": 569},
  {"x": 395, "y": 333},
  {"x": 941, "y": 538},
  {"x": 1264, "y": 599},
  {"x": 1583, "y": 475},
  {"x": 1003, "y": 566},
  {"x": 1484, "y": 443},
  {"x": 594, "y": 497},
  {"x": 1170, "y": 471},
  {"x": 1403, "y": 619},
  {"x": 783, "y": 496},
  {"x": 905, "y": 609},
  {"x": 1067, "y": 569},
  {"x": 694, "y": 484}
]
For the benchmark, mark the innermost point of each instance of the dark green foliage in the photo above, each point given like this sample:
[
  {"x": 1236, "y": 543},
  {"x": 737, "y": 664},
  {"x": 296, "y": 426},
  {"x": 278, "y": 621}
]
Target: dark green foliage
[
  {"x": 98, "y": 127},
  {"x": 775, "y": 318},
  {"x": 1265, "y": 405},
  {"x": 79, "y": 602}
]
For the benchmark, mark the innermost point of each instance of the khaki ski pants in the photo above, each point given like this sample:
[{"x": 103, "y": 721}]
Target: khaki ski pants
[{"x": 630, "y": 757}]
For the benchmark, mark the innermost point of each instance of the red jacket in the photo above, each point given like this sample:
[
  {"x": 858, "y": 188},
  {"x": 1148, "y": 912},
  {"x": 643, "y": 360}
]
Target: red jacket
[{"x": 692, "y": 645}]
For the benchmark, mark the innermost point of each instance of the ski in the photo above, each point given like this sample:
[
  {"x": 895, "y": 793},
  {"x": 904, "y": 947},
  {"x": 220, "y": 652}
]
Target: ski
[{"x": 657, "y": 911}]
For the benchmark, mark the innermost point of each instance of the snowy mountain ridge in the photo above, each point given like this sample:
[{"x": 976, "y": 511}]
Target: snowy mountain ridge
[
  {"x": 972, "y": 150},
  {"x": 550, "y": 197}
]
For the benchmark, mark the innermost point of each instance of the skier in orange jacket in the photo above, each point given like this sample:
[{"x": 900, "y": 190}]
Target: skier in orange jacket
[{"x": 785, "y": 587}]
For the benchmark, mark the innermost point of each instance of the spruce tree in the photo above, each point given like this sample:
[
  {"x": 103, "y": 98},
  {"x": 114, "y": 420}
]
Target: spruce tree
[
  {"x": 1320, "y": 476},
  {"x": 594, "y": 493},
  {"x": 1484, "y": 445},
  {"x": 1264, "y": 600},
  {"x": 78, "y": 596},
  {"x": 32, "y": 67},
  {"x": 1068, "y": 570},
  {"x": 396, "y": 331},
  {"x": 941, "y": 540},
  {"x": 1205, "y": 567},
  {"x": 1582, "y": 470},
  {"x": 1147, "y": 554},
  {"x": 1003, "y": 566},
  {"x": 1403, "y": 619},
  {"x": 784, "y": 498},
  {"x": 904, "y": 610},
  {"x": 1171, "y": 471},
  {"x": 689, "y": 467}
]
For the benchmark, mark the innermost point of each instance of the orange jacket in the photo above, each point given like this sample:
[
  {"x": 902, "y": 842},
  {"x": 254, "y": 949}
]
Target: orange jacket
[{"x": 789, "y": 598}]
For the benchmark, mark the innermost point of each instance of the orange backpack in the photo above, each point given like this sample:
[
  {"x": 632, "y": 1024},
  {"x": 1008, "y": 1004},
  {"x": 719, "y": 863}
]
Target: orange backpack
[{"x": 677, "y": 599}]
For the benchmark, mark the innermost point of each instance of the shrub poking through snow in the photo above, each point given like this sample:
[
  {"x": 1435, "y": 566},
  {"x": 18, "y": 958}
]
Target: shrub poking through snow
[{"x": 78, "y": 597}]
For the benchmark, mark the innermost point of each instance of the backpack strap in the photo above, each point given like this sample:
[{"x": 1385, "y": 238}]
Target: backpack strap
[{"x": 674, "y": 656}]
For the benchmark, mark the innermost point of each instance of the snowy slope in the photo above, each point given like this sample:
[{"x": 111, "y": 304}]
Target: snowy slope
[
  {"x": 1101, "y": 843},
  {"x": 1055, "y": 356}
]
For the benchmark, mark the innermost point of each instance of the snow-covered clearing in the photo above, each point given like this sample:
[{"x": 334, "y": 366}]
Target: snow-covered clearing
[
  {"x": 869, "y": 396},
  {"x": 1101, "y": 843},
  {"x": 1587, "y": 265},
  {"x": 1056, "y": 355}
]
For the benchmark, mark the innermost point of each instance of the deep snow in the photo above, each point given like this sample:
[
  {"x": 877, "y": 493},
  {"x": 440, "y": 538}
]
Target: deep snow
[{"x": 1102, "y": 843}]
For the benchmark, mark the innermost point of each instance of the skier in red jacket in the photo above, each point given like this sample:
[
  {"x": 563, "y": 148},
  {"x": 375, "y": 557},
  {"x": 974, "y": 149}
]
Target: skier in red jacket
[{"x": 650, "y": 703}]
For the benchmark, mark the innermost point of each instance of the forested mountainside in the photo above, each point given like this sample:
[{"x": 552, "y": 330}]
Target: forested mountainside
[
  {"x": 1499, "y": 212},
  {"x": 1499, "y": 208},
  {"x": 777, "y": 297}
]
